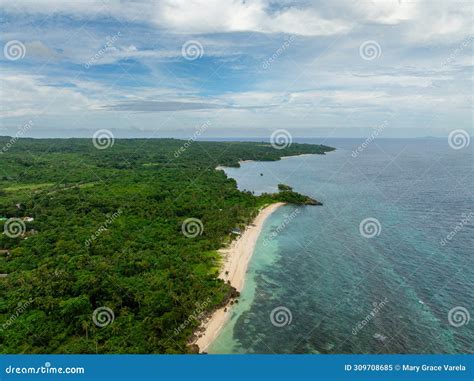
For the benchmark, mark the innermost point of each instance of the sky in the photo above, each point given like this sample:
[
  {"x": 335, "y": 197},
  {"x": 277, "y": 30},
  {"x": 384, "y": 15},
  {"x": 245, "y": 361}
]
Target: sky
[{"x": 240, "y": 68}]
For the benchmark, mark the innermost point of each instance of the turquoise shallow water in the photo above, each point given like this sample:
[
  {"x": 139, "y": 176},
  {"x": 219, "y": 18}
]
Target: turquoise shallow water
[{"x": 317, "y": 285}]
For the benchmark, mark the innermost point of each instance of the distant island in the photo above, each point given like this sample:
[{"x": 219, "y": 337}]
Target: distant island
[{"x": 130, "y": 234}]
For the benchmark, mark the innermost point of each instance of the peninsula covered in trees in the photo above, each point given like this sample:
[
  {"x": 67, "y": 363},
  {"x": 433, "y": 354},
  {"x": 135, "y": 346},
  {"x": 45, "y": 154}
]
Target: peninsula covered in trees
[{"x": 105, "y": 230}]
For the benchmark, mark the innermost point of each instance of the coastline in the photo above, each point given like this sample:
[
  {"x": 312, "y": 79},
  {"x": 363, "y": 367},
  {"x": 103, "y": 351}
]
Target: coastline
[
  {"x": 303, "y": 154},
  {"x": 236, "y": 258},
  {"x": 223, "y": 168}
]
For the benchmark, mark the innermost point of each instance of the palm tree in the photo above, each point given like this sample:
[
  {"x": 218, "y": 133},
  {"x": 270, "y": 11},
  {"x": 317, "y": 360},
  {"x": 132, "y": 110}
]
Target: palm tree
[{"x": 85, "y": 327}]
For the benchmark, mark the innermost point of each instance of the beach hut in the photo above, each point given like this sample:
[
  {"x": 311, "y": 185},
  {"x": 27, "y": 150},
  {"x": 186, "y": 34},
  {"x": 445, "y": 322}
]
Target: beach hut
[{"x": 236, "y": 231}]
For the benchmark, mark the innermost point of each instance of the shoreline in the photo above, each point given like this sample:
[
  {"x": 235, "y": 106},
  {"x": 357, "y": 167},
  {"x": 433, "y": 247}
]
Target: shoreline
[
  {"x": 236, "y": 258},
  {"x": 303, "y": 154},
  {"x": 223, "y": 168}
]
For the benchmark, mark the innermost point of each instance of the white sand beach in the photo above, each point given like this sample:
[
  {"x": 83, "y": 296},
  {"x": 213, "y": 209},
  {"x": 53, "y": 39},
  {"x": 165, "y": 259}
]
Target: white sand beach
[
  {"x": 303, "y": 154},
  {"x": 236, "y": 259}
]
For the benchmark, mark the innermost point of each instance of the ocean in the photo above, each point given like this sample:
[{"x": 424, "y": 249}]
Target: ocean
[{"x": 386, "y": 265}]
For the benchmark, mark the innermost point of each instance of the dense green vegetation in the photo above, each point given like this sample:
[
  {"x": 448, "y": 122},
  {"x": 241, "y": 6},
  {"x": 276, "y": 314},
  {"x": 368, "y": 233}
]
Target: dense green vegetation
[
  {"x": 287, "y": 194},
  {"x": 284, "y": 187},
  {"x": 107, "y": 231}
]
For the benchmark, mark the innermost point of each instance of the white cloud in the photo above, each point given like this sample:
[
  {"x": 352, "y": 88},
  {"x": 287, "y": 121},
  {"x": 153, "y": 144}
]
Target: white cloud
[
  {"x": 196, "y": 16},
  {"x": 389, "y": 12},
  {"x": 423, "y": 68},
  {"x": 441, "y": 22},
  {"x": 422, "y": 20},
  {"x": 28, "y": 95},
  {"x": 219, "y": 16}
]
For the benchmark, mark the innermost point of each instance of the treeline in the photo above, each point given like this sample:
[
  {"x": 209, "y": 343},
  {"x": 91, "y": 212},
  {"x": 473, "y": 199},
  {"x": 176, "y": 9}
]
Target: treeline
[{"x": 105, "y": 229}]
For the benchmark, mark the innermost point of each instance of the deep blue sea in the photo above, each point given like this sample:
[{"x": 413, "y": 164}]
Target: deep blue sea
[{"x": 386, "y": 265}]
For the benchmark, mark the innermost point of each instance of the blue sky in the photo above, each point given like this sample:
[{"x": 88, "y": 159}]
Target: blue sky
[{"x": 245, "y": 68}]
